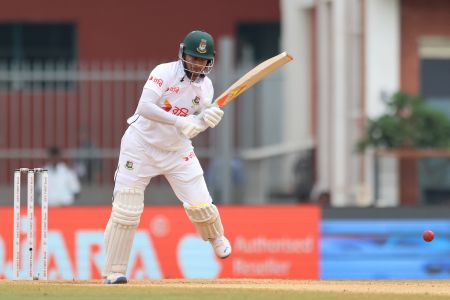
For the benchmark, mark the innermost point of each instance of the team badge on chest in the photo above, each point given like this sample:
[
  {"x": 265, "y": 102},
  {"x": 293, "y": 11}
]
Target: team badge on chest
[{"x": 196, "y": 100}]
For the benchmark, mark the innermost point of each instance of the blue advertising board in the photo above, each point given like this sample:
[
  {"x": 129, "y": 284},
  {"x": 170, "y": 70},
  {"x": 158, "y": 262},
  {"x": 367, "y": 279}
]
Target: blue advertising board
[{"x": 384, "y": 249}]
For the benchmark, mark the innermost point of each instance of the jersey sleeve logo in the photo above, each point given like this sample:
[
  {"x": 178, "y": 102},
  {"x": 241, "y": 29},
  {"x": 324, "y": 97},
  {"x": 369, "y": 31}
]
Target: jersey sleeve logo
[
  {"x": 155, "y": 80},
  {"x": 173, "y": 89}
]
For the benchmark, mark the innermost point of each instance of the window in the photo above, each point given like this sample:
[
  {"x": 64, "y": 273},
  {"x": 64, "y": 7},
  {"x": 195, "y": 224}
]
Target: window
[
  {"x": 262, "y": 39},
  {"x": 37, "y": 42},
  {"x": 435, "y": 78},
  {"x": 6, "y": 42},
  {"x": 435, "y": 68},
  {"x": 31, "y": 46},
  {"x": 434, "y": 173}
]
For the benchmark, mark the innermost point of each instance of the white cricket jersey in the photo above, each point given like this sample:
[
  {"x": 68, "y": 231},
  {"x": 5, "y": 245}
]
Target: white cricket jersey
[{"x": 178, "y": 96}]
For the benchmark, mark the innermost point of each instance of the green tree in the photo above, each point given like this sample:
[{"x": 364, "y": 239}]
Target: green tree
[{"x": 408, "y": 123}]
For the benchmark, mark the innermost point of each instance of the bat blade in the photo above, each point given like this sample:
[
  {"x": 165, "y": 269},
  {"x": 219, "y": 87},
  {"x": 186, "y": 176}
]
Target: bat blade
[{"x": 252, "y": 77}]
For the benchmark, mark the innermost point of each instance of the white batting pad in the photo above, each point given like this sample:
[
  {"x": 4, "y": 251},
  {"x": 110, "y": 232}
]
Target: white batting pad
[
  {"x": 127, "y": 208},
  {"x": 207, "y": 220}
]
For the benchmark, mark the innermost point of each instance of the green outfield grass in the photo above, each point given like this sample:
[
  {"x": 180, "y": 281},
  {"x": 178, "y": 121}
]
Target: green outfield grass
[{"x": 228, "y": 289}]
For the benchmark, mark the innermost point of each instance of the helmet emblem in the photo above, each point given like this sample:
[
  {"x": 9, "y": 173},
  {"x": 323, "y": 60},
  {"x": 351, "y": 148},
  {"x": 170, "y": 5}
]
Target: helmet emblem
[{"x": 202, "y": 46}]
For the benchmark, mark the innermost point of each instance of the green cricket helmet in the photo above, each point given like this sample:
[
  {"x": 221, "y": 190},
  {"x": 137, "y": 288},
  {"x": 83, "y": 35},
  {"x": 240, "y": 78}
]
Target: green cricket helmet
[{"x": 198, "y": 44}]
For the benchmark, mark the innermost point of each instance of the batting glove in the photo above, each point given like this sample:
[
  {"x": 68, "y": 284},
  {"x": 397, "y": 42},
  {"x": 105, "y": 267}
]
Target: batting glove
[
  {"x": 190, "y": 126},
  {"x": 212, "y": 116}
]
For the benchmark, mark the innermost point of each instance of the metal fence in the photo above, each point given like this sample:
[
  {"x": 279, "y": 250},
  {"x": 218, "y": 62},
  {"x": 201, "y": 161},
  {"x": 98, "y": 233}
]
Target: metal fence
[{"x": 82, "y": 108}]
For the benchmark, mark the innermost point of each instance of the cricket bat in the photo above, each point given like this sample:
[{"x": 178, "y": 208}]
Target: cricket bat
[
  {"x": 246, "y": 81},
  {"x": 252, "y": 77}
]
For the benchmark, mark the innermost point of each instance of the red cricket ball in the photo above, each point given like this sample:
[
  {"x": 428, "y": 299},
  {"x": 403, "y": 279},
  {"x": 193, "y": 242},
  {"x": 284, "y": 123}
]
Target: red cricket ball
[{"x": 428, "y": 235}]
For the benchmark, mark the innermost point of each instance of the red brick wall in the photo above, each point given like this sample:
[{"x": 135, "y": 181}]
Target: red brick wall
[
  {"x": 139, "y": 29},
  {"x": 419, "y": 18}
]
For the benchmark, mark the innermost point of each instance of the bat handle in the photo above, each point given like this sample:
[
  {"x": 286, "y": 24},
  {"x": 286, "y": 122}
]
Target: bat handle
[
  {"x": 214, "y": 104},
  {"x": 200, "y": 115}
]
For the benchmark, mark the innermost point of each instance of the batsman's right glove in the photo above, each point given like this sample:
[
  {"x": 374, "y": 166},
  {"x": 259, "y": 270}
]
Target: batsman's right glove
[
  {"x": 212, "y": 116},
  {"x": 190, "y": 126}
]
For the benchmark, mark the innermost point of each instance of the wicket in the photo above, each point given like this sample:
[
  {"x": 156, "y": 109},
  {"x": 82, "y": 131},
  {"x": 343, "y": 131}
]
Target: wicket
[{"x": 30, "y": 217}]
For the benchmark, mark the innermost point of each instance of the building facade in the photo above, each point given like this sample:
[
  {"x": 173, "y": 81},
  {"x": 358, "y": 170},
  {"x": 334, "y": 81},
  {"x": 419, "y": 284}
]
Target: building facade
[{"x": 352, "y": 55}]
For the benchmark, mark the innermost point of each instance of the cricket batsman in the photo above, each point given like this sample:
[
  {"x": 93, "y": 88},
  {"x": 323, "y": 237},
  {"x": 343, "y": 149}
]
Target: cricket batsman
[{"x": 175, "y": 106}]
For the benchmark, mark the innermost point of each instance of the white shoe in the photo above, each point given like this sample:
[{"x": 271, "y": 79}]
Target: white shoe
[
  {"x": 115, "y": 278},
  {"x": 221, "y": 246}
]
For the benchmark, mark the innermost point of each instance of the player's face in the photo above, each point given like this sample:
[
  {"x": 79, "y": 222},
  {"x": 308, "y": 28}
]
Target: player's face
[{"x": 195, "y": 65}]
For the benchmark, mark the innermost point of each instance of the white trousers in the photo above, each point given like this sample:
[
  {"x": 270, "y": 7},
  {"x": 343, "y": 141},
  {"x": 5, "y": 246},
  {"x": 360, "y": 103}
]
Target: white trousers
[{"x": 139, "y": 162}]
